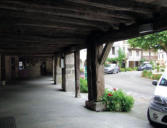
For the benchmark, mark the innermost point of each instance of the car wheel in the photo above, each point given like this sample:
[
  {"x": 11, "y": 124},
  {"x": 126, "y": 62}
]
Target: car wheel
[
  {"x": 148, "y": 117},
  {"x": 152, "y": 122},
  {"x": 115, "y": 71}
]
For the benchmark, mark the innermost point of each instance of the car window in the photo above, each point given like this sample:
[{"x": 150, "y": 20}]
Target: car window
[{"x": 163, "y": 82}]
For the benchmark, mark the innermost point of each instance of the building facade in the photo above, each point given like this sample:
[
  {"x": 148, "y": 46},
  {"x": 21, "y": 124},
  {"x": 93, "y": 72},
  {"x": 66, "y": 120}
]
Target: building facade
[{"x": 133, "y": 55}]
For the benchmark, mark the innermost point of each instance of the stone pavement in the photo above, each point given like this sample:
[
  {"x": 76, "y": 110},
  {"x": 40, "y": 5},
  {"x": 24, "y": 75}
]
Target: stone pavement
[{"x": 40, "y": 104}]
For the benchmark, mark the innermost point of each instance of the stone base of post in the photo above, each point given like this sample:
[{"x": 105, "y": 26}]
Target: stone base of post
[
  {"x": 95, "y": 106},
  {"x": 3, "y": 83}
]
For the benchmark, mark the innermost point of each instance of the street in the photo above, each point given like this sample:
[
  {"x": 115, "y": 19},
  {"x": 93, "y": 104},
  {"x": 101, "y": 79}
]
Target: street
[{"x": 140, "y": 88}]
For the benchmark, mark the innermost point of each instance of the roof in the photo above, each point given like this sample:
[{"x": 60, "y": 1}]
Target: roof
[{"x": 47, "y": 27}]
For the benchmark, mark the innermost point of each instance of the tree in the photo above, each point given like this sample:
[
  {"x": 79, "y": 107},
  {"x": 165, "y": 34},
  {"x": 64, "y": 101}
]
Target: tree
[
  {"x": 121, "y": 57},
  {"x": 152, "y": 41}
]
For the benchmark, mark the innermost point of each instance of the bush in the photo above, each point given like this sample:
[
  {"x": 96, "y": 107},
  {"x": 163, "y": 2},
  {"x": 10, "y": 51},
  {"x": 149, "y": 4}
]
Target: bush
[
  {"x": 117, "y": 100},
  {"x": 144, "y": 73},
  {"x": 83, "y": 85},
  {"x": 122, "y": 69},
  {"x": 129, "y": 69},
  {"x": 156, "y": 76},
  {"x": 82, "y": 70},
  {"x": 148, "y": 74},
  {"x": 135, "y": 69}
]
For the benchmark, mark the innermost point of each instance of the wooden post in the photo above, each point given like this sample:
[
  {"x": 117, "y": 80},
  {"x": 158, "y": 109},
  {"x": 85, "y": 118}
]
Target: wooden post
[
  {"x": 54, "y": 69},
  {"x": 64, "y": 73},
  {"x": 96, "y": 56},
  {"x": 77, "y": 73},
  {"x": 95, "y": 72},
  {"x": 3, "y": 70}
]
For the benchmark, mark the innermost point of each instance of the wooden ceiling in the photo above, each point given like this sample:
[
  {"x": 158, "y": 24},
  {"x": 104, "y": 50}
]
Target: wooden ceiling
[{"x": 47, "y": 27}]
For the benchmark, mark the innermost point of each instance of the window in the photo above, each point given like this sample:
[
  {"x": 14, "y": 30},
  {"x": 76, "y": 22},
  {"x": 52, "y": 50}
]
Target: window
[
  {"x": 163, "y": 82},
  {"x": 21, "y": 65},
  {"x": 130, "y": 52},
  {"x": 137, "y": 53},
  {"x": 113, "y": 50}
]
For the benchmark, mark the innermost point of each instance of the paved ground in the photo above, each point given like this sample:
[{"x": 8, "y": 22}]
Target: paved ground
[
  {"x": 140, "y": 88},
  {"x": 40, "y": 104}
]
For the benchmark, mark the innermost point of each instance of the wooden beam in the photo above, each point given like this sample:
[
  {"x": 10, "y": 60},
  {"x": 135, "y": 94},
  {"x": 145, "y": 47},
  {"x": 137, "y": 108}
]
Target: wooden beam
[
  {"x": 39, "y": 39},
  {"x": 105, "y": 52},
  {"x": 132, "y": 31},
  {"x": 68, "y": 11},
  {"x": 20, "y": 16},
  {"x": 120, "y": 5},
  {"x": 77, "y": 73}
]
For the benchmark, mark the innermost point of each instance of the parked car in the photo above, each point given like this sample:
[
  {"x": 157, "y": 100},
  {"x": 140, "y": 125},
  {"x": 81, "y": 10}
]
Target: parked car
[
  {"x": 157, "y": 111},
  {"x": 111, "y": 68},
  {"x": 145, "y": 66}
]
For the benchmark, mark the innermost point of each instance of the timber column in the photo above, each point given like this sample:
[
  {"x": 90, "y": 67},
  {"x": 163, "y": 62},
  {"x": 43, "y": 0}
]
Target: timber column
[
  {"x": 63, "y": 66},
  {"x": 54, "y": 69},
  {"x": 3, "y": 71},
  {"x": 77, "y": 73},
  {"x": 96, "y": 56}
]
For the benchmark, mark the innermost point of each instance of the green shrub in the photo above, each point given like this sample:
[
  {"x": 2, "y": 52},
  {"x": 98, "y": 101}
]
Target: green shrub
[
  {"x": 156, "y": 76},
  {"x": 149, "y": 74},
  {"x": 122, "y": 69},
  {"x": 83, "y": 85},
  {"x": 117, "y": 100},
  {"x": 82, "y": 70},
  {"x": 135, "y": 68},
  {"x": 144, "y": 73},
  {"x": 129, "y": 69}
]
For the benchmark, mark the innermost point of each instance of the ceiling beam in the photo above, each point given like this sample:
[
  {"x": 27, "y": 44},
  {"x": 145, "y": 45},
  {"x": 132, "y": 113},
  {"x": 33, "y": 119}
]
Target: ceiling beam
[
  {"x": 159, "y": 24},
  {"x": 67, "y": 11},
  {"x": 120, "y": 5}
]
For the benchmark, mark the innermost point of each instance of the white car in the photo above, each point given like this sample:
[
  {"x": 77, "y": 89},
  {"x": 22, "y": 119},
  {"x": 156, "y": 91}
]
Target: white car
[
  {"x": 111, "y": 68},
  {"x": 157, "y": 111}
]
